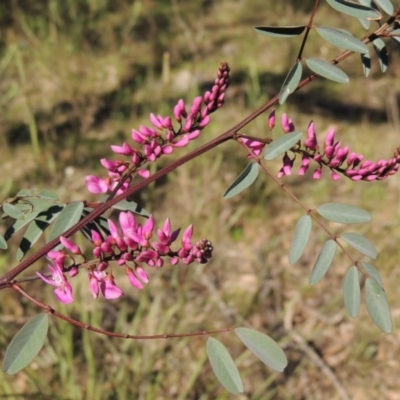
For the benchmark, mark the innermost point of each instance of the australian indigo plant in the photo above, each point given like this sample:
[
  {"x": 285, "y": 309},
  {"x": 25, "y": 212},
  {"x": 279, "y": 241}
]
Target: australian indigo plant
[{"x": 133, "y": 244}]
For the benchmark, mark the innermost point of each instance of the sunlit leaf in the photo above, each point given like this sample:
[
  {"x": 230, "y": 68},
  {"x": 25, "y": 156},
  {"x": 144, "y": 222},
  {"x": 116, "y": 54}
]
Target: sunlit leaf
[
  {"x": 300, "y": 238},
  {"x": 327, "y": 70},
  {"x": 68, "y": 217},
  {"x": 365, "y": 23},
  {"x": 342, "y": 40},
  {"x": 282, "y": 145},
  {"x": 373, "y": 273},
  {"x": 386, "y": 6},
  {"x": 382, "y": 53},
  {"x": 377, "y": 306},
  {"x": 129, "y": 205},
  {"x": 281, "y": 31},
  {"x": 366, "y": 63},
  {"x": 354, "y": 9},
  {"x": 324, "y": 261},
  {"x": 265, "y": 348},
  {"x": 344, "y": 213},
  {"x": 36, "y": 229},
  {"x": 291, "y": 82},
  {"x": 352, "y": 292},
  {"x": 48, "y": 194},
  {"x": 3, "y": 243},
  {"x": 25, "y": 193},
  {"x": 223, "y": 366},
  {"x": 26, "y": 344},
  {"x": 12, "y": 211},
  {"x": 360, "y": 243},
  {"x": 243, "y": 181}
]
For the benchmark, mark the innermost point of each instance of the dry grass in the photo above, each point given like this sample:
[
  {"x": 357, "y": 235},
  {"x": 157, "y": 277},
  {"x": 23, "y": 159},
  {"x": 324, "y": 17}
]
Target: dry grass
[{"x": 84, "y": 99}]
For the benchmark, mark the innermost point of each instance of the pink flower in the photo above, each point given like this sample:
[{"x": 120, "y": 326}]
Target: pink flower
[
  {"x": 71, "y": 246},
  {"x": 63, "y": 291}
]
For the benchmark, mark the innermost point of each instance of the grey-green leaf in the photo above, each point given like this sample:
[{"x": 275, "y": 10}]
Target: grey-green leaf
[
  {"x": 26, "y": 344},
  {"x": 243, "y": 181},
  {"x": 282, "y": 145},
  {"x": 386, "y": 6},
  {"x": 291, "y": 82},
  {"x": 265, "y": 348},
  {"x": 354, "y": 9},
  {"x": 48, "y": 194},
  {"x": 129, "y": 205},
  {"x": 281, "y": 31},
  {"x": 300, "y": 238},
  {"x": 366, "y": 63},
  {"x": 377, "y": 306},
  {"x": 360, "y": 243},
  {"x": 324, "y": 261},
  {"x": 3, "y": 243},
  {"x": 365, "y": 23},
  {"x": 36, "y": 229},
  {"x": 25, "y": 193},
  {"x": 327, "y": 70},
  {"x": 344, "y": 213},
  {"x": 12, "y": 211},
  {"x": 342, "y": 40},
  {"x": 68, "y": 217},
  {"x": 382, "y": 53},
  {"x": 373, "y": 273},
  {"x": 352, "y": 292},
  {"x": 223, "y": 366}
]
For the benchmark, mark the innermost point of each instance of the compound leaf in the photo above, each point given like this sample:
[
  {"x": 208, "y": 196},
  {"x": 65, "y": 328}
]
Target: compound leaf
[
  {"x": 300, "y": 238},
  {"x": 344, "y": 213},
  {"x": 223, "y": 366},
  {"x": 342, "y": 39},
  {"x": 26, "y": 344},
  {"x": 360, "y": 243},
  {"x": 327, "y": 70},
  {"x": 265, "y": 348},
  {"x": 243, "y": 181},
  {"x": 282, "y": 145}
]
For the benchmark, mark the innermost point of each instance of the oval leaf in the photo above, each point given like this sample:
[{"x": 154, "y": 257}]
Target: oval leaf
[
  {"x": 282, "y": 145},
  {"x": 25, "y": 193},
  {"x": 360, "y": 243},
  {"x": 352, "y": 292},
  {"x": 26, "y": 344},
  {"x": 281, "y": 31},
  {"x": 382, "y": 53},
  {"x": 366, "y": 64},
  {"x": 291, "y": 82},
  {"x": 377, "y": 306},
  {"x": 327, "y": 70},
  {"x": 48, "y": 194},
  {"x": 342, "y": 39},
  {"x": 3, "y": 243},
  {"x": 323, "y": 262},
  {"x": 243, "y": 181},
  {"x": 12, "y": 211},
  {"x": 344, "y": 213},
  {"x": 223, "y": 366},
  {"x": 365, "y": 23},
  {"x": 386, "y": 6},
  {"x": 354, "y": 9},
  {"x": 265, "y": 348},
  {"x": 68, "y": 217},
  {"x": 300, "y": 238},
  {"x": 373, "y": 273}
]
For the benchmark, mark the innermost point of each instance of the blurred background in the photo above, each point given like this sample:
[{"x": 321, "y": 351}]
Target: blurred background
[{"x": 75, "y": 77}]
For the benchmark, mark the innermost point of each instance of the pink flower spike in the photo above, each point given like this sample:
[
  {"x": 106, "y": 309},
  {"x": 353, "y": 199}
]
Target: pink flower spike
[
  {"x": 144, "y": 173},
  {"x": 287, "y": 164},
  {"x": 72, "y": 247},
  {"x": 73, "y": 272},
  {"x": 285, "y": 123},
  {"x": 174, "y": 260},
  {"x": 271, "y": 120},
  {"x": 63, "y": 289},
  {"x": 187, "y": 236},
  {"x": 95, "y": 184},
  {"x": 148, "y": 228},
  {"x": 125, "y": 149},
  {"x": 335, "y": 176},
  {"x": 317, "y": 173},
  {"x": 330, "y": 137},
  {"x": 311, "y": 141},
  {"x": 193, "y": 135},
  {"x": 184, "y": 141},
  {"x": 133, "y": 280},
  {"x": 196, "y": 105},
  {"x": 154, "y": 120},
  {"x": 94, "y": 285},
  {"x": 204, "y": 122},
  {"x": 109, "y": 289},
  {"x": 167, "y": 149},
  {"x": 142, "y": 275}
]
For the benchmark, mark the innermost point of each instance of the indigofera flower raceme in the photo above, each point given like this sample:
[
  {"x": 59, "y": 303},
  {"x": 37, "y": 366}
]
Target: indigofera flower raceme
[
  {"x": 332, "y": 155},
  {"x": 163, "y": 137},
  {"x": 130, "y": 245}
]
